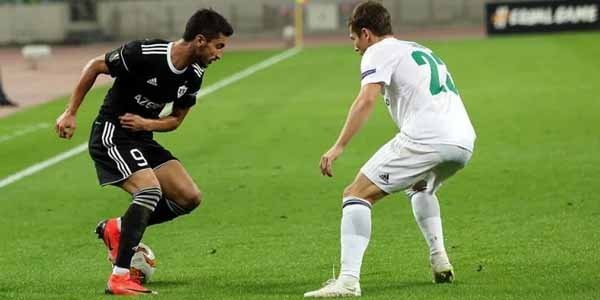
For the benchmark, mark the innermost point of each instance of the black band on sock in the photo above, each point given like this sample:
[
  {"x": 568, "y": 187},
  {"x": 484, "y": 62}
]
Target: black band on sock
[
  {"x": 356, "y": 201},
  {"x": 134, "y": 223}
]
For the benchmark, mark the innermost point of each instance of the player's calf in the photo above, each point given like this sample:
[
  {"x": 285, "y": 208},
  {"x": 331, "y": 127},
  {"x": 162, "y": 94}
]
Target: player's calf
[
  {"x": 134, "y": 223},
  {"x": 168, "y": 209}
]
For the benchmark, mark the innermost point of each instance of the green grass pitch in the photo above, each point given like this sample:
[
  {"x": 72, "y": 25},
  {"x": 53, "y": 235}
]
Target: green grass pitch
[{"x": 521, "y": 221}]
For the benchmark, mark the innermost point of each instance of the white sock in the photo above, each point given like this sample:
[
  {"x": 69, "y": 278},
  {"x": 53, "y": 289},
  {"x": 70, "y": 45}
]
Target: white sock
[
  {"x": 120, "y": 271},
  {"x": 426, "y": 210},
  {"x": 355, "y": 235}
]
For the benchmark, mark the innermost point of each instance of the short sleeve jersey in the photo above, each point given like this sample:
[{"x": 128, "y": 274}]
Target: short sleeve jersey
[
  {"x": 419, "y": 93},
  {"x": 146, "y": 80}
]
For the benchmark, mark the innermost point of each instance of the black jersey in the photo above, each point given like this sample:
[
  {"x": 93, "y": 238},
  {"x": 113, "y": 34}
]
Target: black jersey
[{"x": 146, "y": 80}]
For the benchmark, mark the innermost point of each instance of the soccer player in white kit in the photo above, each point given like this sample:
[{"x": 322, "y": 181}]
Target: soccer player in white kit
[{"x": 436, "y": 140}]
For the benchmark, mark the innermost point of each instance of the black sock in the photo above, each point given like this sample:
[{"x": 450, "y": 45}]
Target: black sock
[
  {"x": 3, "y": 97},
  {"x": 134, "y": 223},
  {"x": 166, "y": 210}
]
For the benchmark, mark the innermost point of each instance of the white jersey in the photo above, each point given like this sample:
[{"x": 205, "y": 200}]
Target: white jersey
[{"x": 419, "y": 93}]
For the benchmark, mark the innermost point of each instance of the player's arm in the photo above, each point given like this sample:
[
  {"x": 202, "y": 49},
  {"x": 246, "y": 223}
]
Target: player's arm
[
  {"x": 169, "y": 123},
  {"x": 357, "y": 116},
  {"x": 65, "y": 124}
]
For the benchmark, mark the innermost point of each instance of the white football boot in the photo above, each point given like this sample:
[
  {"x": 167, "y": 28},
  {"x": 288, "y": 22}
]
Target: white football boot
[
  {"x": 442, "y": 270},
  {"x": 335, "y": 288}
]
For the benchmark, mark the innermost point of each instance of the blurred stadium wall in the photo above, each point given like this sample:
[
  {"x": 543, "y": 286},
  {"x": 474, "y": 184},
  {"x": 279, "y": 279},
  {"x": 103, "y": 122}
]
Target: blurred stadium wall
[{"x": 81, "y": 21}]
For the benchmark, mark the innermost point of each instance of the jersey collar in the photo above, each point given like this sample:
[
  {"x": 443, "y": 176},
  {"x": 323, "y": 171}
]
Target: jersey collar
[{"x": 170, "y": 62}]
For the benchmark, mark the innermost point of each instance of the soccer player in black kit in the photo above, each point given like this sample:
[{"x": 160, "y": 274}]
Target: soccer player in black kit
[{"x": 149, "y": 74}]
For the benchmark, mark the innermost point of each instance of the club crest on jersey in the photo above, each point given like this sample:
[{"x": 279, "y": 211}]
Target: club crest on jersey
[
  {"x": 181, "y": 91},
  {"x": 152, "y": 81}
]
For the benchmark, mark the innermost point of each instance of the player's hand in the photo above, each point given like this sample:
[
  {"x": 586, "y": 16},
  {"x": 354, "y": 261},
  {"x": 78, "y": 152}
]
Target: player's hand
[
  {"x": 328, "y": 158},
  {"x": 133, "y": 122},
  {"x": 65, "y": 125}
]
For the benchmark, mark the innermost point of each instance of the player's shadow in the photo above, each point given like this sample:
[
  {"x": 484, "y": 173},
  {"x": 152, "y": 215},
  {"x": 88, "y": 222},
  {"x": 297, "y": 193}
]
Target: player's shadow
[
  {"x": 383, "y": 288},
  {"x": 275, "y": 288},
  {"x": 169, "y": 283},
  {"x": 299, "y": 288}
]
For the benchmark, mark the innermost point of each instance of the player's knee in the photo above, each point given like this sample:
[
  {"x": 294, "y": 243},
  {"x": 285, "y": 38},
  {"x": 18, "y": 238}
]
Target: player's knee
[
  {"x": 348, "y": 191},
  {"x": 192, "y": 199},
  {"x": 372, "y": 194},
  {"x": 351, "y": 192},
  {"x": 420, "y": 186}
]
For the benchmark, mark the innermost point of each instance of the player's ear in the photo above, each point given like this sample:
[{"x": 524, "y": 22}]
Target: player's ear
[
  {"x": 365, "y": 33},
  {"x": 201, "y": 40}
]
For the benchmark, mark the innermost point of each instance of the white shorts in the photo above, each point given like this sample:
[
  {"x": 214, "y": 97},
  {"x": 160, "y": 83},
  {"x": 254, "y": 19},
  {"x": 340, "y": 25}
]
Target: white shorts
[{"x": 400, "y": 164}]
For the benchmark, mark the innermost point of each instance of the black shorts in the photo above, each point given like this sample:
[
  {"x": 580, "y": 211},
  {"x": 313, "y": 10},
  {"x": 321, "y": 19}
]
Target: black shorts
[{"x": 118, "y": 152}]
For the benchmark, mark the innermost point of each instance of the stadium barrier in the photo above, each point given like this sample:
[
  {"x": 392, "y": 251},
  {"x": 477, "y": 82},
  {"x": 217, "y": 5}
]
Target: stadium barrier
[{"x": 84, "y": 21}]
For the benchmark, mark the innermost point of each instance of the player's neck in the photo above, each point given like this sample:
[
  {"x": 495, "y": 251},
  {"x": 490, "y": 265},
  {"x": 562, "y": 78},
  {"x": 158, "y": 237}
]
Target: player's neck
[
  {"x": 377, "y": 39},
  {"x": 182, "y": 54}
]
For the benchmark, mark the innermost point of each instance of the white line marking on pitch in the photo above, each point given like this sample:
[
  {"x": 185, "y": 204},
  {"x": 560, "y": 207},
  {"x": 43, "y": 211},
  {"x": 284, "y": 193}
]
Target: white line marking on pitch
[
  {"x": 24, "y": 131},
  {"x": 42, "y": 165},
  {"x": 203, "y": 92}
]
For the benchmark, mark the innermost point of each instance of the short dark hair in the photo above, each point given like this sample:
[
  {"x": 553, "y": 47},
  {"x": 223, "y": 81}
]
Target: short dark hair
[
  {"x": 373, "y": 16},
  {"x": 208, "y": 23}
]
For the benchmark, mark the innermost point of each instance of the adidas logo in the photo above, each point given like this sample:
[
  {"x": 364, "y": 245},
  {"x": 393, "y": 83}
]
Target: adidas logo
[
  {"x": 385, "y": 177},
  {"x": 153, "y": 81}
]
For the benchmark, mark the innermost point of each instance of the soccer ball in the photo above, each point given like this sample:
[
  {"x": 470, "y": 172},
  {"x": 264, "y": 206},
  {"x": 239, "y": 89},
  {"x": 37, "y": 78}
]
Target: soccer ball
[{"x": 143, "y": 263}]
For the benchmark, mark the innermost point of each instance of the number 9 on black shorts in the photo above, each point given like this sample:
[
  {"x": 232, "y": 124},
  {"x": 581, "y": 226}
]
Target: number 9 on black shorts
[{"x": 118, "y": 152}]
